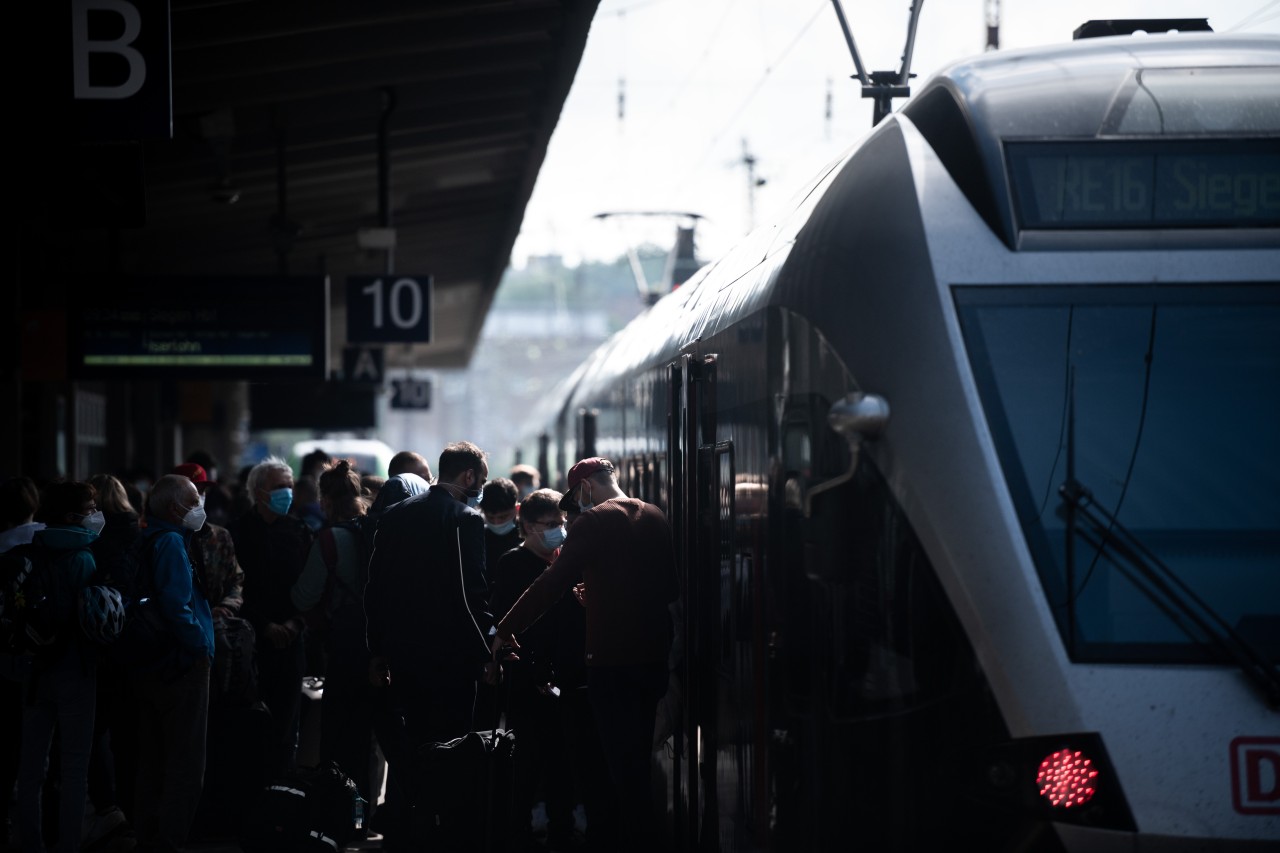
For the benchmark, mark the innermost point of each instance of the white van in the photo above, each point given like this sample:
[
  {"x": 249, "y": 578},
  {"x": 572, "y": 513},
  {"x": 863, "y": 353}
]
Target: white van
[{"x": 368, "y": 455}]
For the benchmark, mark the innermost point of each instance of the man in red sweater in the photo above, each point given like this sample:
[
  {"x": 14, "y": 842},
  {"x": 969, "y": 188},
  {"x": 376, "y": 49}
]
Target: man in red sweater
[{"x": 622, "y": 549}]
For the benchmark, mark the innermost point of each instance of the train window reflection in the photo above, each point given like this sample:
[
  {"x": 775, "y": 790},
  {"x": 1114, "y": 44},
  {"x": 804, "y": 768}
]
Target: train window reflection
[
  {"x": 1165, "y": 101},
  {"x": 1154, "y": 400},
  {"x": 796, "y": 448}
]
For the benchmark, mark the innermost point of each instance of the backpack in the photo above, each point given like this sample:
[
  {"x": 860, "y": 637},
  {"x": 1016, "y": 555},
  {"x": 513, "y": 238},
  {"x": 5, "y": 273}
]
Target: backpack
[
  {"x": 121, "y": 567},
  {"x": 233, "y": 681},
  {"x": 363, "y": 527},
  {"x": 145, "y": 639},
  {"x": 33, "y": 616},
  {"x": 347, "y": 619},
  {"x": 307, "y": 809}
]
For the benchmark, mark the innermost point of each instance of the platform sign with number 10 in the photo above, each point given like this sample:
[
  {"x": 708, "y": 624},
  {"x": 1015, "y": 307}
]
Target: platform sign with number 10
[{"x": 389, "y": 309}]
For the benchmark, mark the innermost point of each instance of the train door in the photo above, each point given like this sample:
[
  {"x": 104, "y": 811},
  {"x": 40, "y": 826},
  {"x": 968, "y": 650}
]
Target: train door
[
  {"x": 711, "y": 605},
  {"x": 701, "y": 473},
  {"x": 681, "y": 800}
]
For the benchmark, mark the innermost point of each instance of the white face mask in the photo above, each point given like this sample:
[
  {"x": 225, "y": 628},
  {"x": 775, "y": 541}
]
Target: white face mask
[
  {"x": 194, "y": 519},
  {"x": 94, "y": 522}
]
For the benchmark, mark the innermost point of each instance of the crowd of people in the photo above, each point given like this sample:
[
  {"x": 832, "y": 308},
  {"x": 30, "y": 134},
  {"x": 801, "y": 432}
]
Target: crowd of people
[{"x": 431, "y": 604}]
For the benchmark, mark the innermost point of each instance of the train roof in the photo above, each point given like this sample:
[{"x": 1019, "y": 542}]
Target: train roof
[
  {"x": 966, "y": 111},
  {"x": 1078, "y": 89}
]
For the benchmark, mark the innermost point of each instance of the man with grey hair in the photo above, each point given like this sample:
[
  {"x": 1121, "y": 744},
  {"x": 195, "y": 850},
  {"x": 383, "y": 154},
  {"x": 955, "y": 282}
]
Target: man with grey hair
[
  {"x": 272, "y": 547},
  {"x": 172, "y": 693}
]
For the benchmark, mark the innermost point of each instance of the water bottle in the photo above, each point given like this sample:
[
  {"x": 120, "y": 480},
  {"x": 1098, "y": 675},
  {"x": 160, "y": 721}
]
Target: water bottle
[{"x": 359, "y": 813}]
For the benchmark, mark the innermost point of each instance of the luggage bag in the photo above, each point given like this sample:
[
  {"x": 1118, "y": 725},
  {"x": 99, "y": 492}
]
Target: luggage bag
[
  {"x": 308, "y": 810},
  {"x": 464, "y": 793}
]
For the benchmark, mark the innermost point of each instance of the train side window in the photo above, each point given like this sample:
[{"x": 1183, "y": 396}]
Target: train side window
[
  {"x": 660, "y": 481},
  {"x": 650, "y": 492},
  {"x": 797, "y": 448}
]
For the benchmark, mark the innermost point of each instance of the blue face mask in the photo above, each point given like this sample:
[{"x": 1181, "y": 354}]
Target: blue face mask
[
  {"x": 473, "y": 501},
  {"x": 501, "y": 529},
  {"x": 554, "y": 538},
  {"x": 281, "y": 500}
]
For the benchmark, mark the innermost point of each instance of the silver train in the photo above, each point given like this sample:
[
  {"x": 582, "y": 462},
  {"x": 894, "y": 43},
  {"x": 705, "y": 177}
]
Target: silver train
[{"x": 972, "y": 459}]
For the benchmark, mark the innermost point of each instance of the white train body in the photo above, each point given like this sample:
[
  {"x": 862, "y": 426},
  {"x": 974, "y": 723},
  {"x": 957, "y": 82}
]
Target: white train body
[{"x": 974, "y": 460}]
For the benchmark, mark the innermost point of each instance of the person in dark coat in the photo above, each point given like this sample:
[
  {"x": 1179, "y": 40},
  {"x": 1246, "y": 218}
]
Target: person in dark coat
[
  {"x": 272, "y": 547},
  {"x": 113, "y": 764},
  {"x": 426, "y": 605},
  {"x": 622, "y": 549},
  {"x": 498, "y": 505},
  {"x": 388, "y": 719},
  {"x": 545, "y": 689}
]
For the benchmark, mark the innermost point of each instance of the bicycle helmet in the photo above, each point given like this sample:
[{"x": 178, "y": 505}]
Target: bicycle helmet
[{"x": 101, "y": 613}]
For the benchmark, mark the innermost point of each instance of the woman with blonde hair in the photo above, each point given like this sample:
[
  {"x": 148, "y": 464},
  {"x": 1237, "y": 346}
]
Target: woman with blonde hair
[
  {"x": 112, "y": 496},
  {"x": 111, "y": 763},
  {"x": 330, "y": 591}
]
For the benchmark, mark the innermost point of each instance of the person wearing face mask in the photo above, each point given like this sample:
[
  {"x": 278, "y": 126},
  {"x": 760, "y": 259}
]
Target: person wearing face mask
[
  {"x": 60, "y": 687},
  {"x": 172, "y": 694},
  {"x": 545, "y": 691},
  {"x": 498, "y": 506},
  {"x": 213, "y": 552},
  {"x": 427, "y": 612},
  {"x": 622, "y": 552},
  {"x": 272, "y": 548},
  {"x": 233, "y": 751},
  {"x": 112, "y": 767}
]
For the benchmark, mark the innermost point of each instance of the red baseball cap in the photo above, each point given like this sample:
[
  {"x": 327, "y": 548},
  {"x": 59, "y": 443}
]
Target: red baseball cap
[
  {"x": 195, "y": 473},
  {"x": 583, "y": 469}
]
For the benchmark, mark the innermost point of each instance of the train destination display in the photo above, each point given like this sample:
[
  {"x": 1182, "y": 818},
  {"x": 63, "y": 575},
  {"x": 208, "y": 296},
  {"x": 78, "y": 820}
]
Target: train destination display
[{"x": 1092, "y": 184}]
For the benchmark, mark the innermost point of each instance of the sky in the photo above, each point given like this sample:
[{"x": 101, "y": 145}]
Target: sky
[{"x": 678, "y": 105}]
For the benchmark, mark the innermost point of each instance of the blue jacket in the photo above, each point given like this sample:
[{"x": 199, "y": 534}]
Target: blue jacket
[
  {"x": 73, "y": 565},
  {"x": 182, "y": 604}
]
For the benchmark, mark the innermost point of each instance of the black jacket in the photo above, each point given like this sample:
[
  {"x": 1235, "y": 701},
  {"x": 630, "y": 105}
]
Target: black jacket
[
  {"x": 426, "y": 602},
  {"x": 272, "y": 557}
]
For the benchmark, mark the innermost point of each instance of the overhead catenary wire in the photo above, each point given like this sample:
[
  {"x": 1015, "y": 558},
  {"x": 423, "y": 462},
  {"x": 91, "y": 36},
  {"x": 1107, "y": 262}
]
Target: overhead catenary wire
[
  {"x": 647, "y": 129},
  {"x": 696, "y": 168},
  {"x": 1257, "y": 16}
]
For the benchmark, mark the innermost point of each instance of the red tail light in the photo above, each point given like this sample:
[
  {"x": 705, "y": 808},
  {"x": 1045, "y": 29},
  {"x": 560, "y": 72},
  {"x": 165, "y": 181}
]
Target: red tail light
[{"x": 1066, "y": 778}]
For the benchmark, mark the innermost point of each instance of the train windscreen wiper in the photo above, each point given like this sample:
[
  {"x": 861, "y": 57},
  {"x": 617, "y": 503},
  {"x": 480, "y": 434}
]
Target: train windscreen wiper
[{"x": 1104, "y": 532}]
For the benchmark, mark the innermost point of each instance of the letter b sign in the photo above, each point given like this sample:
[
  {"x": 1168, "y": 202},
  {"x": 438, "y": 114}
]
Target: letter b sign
[
  {"x": 120, "y": 69},
  {"x": 388, "y": 309}
]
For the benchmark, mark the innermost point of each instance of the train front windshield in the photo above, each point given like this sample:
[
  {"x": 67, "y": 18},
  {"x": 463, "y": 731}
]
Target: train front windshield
[{"x": 1139, "y": 432}]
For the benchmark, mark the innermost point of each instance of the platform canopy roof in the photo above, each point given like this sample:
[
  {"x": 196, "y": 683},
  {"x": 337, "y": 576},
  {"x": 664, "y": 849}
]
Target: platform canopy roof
[{"x": 298, "y": 126}]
